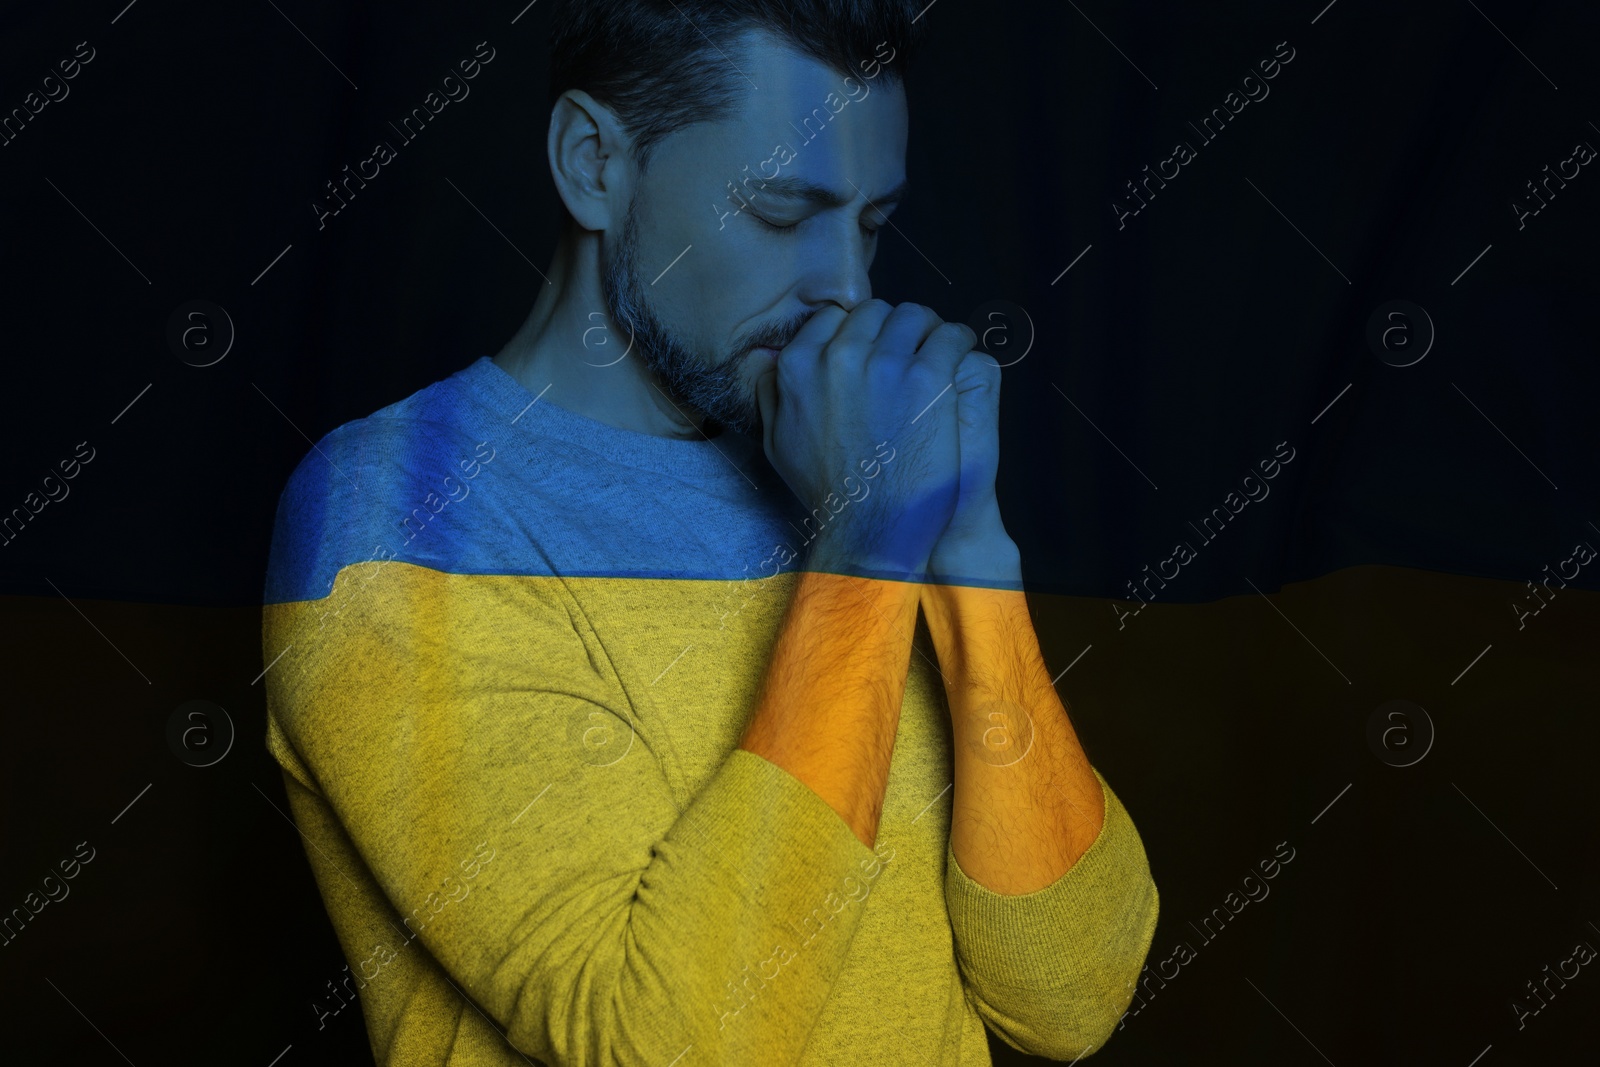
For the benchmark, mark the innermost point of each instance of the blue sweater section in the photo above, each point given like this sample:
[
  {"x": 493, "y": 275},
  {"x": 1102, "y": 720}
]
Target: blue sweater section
[{"x": 475, "y": 475}]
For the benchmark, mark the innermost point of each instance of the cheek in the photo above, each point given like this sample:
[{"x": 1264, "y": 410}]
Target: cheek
[
  {"x": 715, "y": 316},
  {"x": 722, "y": 287}
]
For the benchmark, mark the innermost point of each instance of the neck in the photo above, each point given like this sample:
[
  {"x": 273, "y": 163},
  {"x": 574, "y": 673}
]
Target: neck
[{"x": 570, "y": 352}]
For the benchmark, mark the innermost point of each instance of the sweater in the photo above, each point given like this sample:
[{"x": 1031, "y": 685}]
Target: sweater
[{"x": 510, "y": 655}]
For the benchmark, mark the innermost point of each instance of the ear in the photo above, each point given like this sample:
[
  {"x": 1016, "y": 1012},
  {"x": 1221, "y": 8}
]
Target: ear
[{"x": 590, "y": 161}]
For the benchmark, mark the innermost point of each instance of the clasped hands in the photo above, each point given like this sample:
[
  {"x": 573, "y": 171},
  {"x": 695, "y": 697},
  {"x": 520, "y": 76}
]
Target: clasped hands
[{"x": 898, "y": 375}]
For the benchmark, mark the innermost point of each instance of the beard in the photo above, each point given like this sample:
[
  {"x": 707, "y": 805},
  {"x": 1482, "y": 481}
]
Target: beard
[{"x": 715, "y": 389}]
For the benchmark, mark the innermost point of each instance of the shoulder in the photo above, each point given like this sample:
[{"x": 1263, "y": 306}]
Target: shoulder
[{"x": 370, "y": 487}]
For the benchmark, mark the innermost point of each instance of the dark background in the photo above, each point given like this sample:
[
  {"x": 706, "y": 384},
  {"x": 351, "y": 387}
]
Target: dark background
[{"x": 1229, "y": 315}]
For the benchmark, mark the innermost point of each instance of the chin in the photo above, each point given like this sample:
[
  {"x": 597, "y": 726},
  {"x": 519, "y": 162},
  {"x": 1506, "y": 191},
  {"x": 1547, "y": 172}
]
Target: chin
[{"x": 750, "y": 427}]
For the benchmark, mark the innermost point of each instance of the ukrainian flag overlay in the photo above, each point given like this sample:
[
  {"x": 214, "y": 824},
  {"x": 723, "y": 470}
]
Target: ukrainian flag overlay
[{"x": 512, "y": 653}]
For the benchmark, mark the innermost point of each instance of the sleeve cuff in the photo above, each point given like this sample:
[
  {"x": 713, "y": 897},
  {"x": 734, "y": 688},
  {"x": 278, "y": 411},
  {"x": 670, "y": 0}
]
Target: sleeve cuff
[{"x": 1090, "y": 925}]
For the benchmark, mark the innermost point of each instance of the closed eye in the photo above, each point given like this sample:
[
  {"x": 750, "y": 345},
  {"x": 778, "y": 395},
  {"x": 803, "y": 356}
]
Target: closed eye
[
  {"x": 870, "y": 231},
  {"x": 774, "y": 227}
]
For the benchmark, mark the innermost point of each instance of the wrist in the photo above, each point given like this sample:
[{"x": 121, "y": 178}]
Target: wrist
[
  {"x": 888, "y": 559},
  {"x": 971, "y": 625},
  {"x": 984, "y": 557}
]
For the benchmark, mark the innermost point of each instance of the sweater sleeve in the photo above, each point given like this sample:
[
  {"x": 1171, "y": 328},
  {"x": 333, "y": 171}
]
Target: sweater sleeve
[
  {"x": 1052, "y": 971},
  {"x": 472, "y": 742}
]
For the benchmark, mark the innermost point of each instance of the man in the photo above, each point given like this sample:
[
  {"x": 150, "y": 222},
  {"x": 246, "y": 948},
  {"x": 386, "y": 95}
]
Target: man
[{"x": 596, "y": 671}]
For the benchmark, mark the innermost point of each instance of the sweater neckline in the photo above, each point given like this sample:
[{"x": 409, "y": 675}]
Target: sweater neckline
[{"x": 725, "y": 457}]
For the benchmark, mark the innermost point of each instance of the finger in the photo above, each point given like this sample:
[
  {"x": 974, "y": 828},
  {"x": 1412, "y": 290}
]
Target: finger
[
  {"x": 977, "y": 388},
  {"x": 907, "y": 328},
  {"x": 860, "y": 328},
  {"x": 977, "y": 370},
  {"x": 946, "y": 347},
  {"x": 817, "y": 331},
  {"x": 767, "y": 404}
]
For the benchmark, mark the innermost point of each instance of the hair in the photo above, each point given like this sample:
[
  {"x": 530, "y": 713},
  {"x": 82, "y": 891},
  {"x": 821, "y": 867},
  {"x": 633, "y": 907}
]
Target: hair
[{"x": 662, "y": 65}]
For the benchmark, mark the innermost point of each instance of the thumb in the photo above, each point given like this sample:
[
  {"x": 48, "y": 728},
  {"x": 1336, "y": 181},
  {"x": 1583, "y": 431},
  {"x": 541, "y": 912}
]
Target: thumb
[{"x": 977, "y": 382}]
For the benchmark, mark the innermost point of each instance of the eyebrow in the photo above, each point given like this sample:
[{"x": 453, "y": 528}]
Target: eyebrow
[{"x": 794, "y": 188}]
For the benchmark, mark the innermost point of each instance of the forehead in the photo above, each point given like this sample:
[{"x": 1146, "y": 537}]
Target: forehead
[{"x": 838, "y": 129}]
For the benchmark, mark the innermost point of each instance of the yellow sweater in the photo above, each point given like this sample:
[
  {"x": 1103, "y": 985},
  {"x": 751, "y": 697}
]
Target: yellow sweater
[{"x": 512, "y": 653}]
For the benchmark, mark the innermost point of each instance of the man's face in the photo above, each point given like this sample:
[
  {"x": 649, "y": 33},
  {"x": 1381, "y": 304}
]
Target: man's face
[{"x": 698, "y": 274}]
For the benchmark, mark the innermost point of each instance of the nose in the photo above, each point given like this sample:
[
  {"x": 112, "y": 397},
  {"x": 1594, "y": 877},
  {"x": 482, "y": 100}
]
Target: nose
[{"x": 837, "y": 271}]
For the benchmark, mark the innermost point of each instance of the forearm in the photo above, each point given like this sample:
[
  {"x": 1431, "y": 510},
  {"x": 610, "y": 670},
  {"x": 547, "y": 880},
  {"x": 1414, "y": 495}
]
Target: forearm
[
  {"x": 1026, "y": 803},
  {"x": 830, "y": 703}
]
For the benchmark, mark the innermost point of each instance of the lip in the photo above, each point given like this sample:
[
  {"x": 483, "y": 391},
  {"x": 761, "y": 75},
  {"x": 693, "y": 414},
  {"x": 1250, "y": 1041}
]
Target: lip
[{"x": 772, "y": 352}]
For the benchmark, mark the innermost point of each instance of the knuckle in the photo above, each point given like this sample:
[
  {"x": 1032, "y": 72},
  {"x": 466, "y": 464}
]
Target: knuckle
[
  {"x": 924, "y": 375},
  {"x": 842, "y": 349},
  {"x": 882, "y": 372}
]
